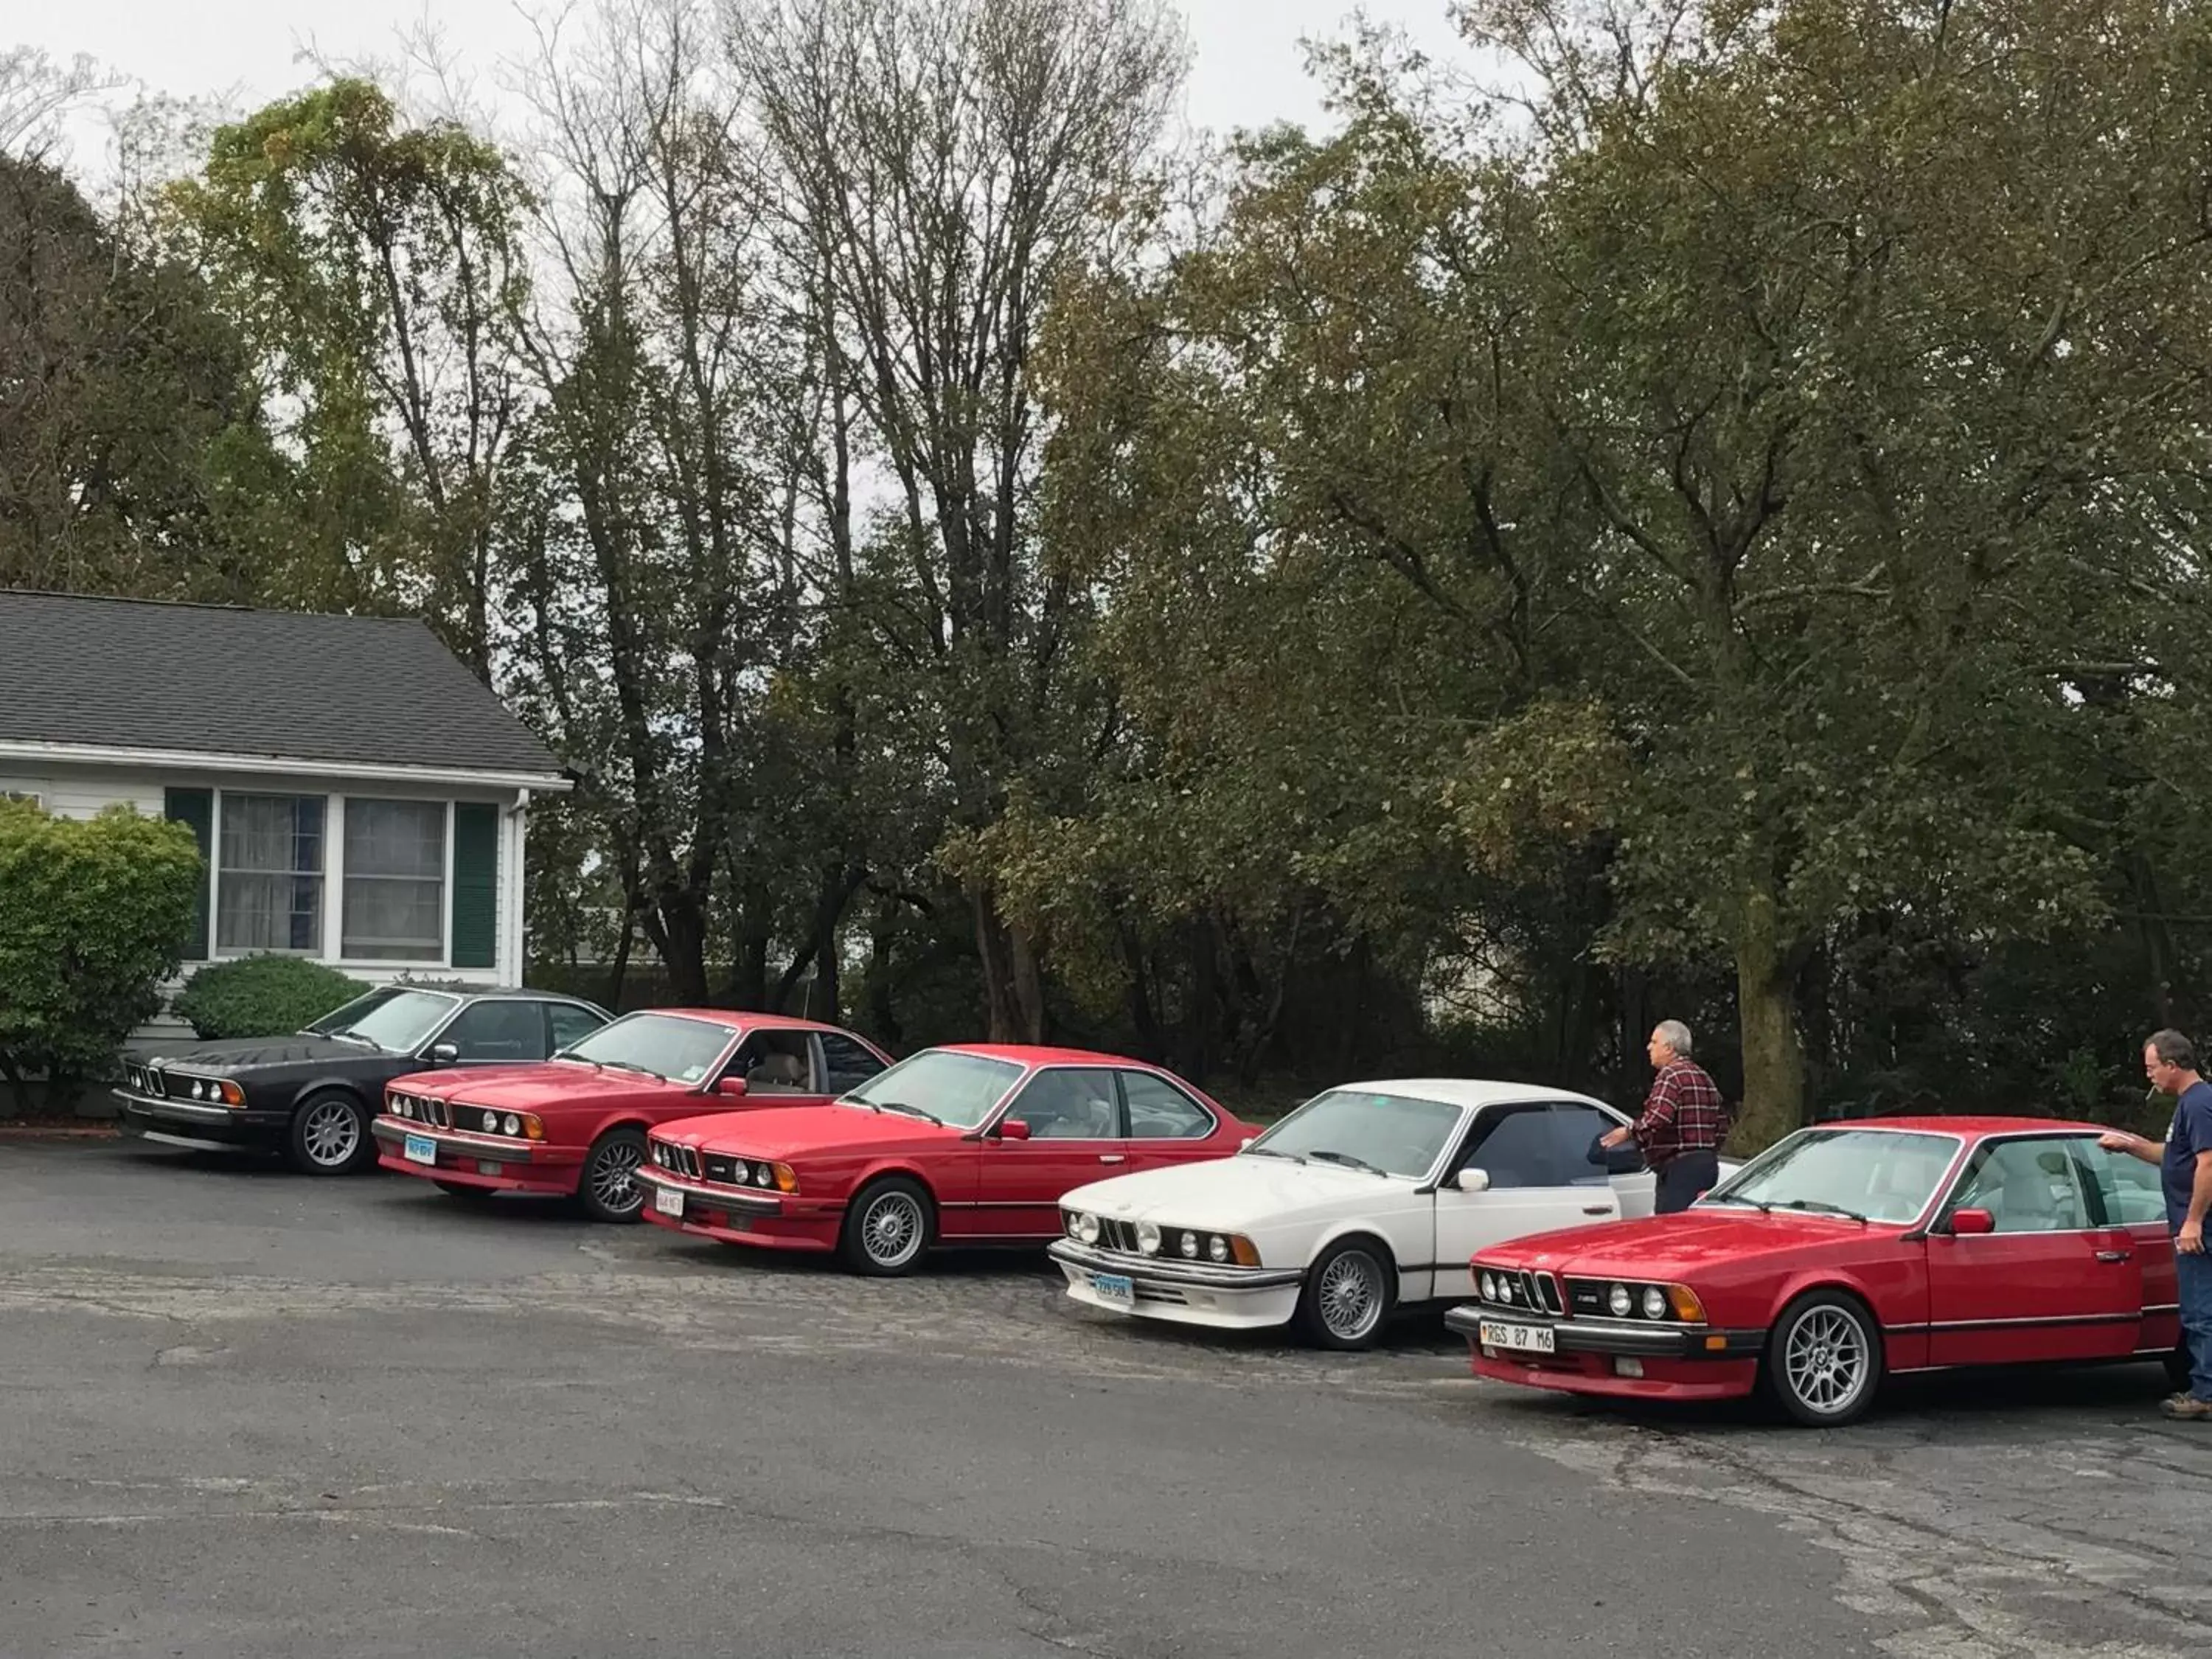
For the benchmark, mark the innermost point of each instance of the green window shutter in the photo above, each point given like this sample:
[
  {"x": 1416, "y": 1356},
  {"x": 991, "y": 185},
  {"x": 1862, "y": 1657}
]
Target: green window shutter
[
  {"x": 195, "y": 810},
  {"x": 476, "y": 886}
]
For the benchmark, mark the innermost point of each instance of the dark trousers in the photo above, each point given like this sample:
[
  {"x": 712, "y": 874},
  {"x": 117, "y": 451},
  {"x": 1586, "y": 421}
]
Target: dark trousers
[{"x": 1683, "y": 1176}]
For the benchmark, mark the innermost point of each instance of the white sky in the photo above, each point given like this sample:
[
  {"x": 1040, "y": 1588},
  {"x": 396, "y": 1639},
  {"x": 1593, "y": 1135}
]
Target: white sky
[{"x": 1248, "y": 68}]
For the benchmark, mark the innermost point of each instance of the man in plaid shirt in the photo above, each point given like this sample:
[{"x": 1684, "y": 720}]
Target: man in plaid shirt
[{"x": 1683, "y": 1123}]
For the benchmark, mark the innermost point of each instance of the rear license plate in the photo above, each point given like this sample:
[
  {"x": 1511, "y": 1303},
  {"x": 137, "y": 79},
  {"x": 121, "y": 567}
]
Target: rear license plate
[
  {"x": 668, "y": 1200},
  {"x": 1528, "y": 1338},
  {"x": 419, "y": 1149},
  {"x": 1115, "y": 1288}
]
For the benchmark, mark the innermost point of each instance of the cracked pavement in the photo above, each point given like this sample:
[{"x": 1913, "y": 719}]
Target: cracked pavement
[{"x": 247, "y": 1415}]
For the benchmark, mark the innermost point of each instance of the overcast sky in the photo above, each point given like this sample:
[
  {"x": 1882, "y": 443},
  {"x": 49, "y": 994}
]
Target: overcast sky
[{"x": 1248, "y": 70}]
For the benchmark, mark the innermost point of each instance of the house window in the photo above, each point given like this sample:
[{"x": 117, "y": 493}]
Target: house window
[
  {"x": 28, "y": 797},
  {"x": 395, "y": 881},
  {"x": 269, "y": 891}
]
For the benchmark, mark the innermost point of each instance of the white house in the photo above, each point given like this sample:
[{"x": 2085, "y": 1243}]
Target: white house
[{"x": 359, "y": 796}]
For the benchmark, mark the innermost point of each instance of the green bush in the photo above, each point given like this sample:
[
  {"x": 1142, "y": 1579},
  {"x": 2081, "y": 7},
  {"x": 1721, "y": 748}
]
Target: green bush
[
  {"x": 91, "y": 914},
  {"x": 261, "y": 996}
]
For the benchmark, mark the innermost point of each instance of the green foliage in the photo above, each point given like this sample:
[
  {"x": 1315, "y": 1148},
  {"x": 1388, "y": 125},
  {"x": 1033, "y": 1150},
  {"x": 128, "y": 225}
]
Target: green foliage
[
  {"x": 261, "y": 996},
  {"x": 90, "y": 914}
]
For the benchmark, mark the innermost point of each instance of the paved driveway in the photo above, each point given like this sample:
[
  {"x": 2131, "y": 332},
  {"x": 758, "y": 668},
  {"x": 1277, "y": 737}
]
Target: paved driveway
[{"x": 244, "y": 1414}]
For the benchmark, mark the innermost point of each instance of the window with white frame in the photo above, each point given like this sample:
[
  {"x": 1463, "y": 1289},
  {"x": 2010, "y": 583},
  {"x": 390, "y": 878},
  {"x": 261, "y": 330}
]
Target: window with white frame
[
  {"x": 269, "y": 884},
  {"x": 395, "y": 881}
]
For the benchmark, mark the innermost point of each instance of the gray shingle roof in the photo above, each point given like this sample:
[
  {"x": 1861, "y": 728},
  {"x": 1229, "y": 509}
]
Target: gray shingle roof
[{"x": 209, "y": 679}]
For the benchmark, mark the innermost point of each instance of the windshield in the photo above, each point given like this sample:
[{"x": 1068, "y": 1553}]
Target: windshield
[
  {"x": 667, "y": 1045},
  {"x": 1388, "y": 1133},
  {"x": 957, "y": 1090},
  {"x": 1882, "y": 1175},
  {"x": 397, "y": 1020}
]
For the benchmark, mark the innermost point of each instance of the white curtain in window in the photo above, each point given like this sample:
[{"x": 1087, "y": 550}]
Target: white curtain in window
[
  {"x": 395, "y": 881},
  {"x": 269, "y": 893}
]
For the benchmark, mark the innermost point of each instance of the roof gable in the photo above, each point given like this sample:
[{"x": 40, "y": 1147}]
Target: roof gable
[{"x": 216, "y": 680}]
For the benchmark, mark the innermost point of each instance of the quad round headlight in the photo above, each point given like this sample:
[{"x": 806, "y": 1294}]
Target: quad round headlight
[
  {"x": 1074, "y": 1224},
  {"x": 1619, "y": 1301},
  {"x": 1489, "y": 1288},
  {"x": 1655, "y": 1302},
  {"x": 1148, "y": 1237},
  {"x": 512, "y": 1124},
  {"x": 763, "y": 1175},
  {"x": 491, "y": 1123},
  {"x": 1190, "y": 1244},
  {"x": 1086, "y": 1228},
  {"x": 1217, "y": 1248}
]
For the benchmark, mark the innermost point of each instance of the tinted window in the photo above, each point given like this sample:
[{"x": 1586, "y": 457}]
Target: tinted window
[
  {"x": 499, "y": 1030},
  {"x": 849, "y": 1063},
  {"x": 774, "y": 1063},
  {"x": 571, "y": 1023},
  {"x": 667, "y": 1045},
  {"x": 1069, "y": 1103},
  {"x": 1537, "y": 1145},
  {"x": 1160, "y": 1111},
  {"x": 2027, "y": 1186}
]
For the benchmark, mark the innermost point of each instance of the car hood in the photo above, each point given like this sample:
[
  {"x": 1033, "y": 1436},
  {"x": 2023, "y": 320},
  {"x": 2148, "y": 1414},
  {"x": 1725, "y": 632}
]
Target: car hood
[
  {"x": 1680, "y": 1245},
  {"x": 230, "y": 1058},
  {"x": 784, "y": 1132},
  {"x": 529, "y": 1088},
  {"x": 1234, "y": 1193}
]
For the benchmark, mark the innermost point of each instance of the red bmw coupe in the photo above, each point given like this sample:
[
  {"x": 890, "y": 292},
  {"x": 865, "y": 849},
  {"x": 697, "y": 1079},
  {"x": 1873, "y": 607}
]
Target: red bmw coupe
[
  {"x": 1841, "y": 1256},
  {"x": 968, "y": 1145},
  {"x": 577, "y": 1124}
]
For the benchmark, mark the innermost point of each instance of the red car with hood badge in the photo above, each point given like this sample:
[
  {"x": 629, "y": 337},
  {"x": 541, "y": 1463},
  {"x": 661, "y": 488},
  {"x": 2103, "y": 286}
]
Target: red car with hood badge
[
  {"x": 973, "y": 1144},
  {"x": 1844, "y": 1254},
  {"x": 575, "y": 1127}
]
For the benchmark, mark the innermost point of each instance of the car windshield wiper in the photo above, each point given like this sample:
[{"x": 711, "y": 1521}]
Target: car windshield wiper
[
  {"x": 1349, "y": 1161},
  {"x": 346, "y": 1034},
  {"x": 1758, "y": 1204},
  {"x": 1821, "y": 1206},
  {"x": 1270, "y": 1152},
  {"x": 911, "y": 1111},
  {"x": 632, "y": 1066}
]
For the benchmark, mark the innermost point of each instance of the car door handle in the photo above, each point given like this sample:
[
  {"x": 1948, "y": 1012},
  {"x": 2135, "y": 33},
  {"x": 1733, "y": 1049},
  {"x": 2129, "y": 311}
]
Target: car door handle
[
  {"x": 1597, "y": 1209},
  {"x": 1112, "y": 1157},
  {"x": 2115, "y": 1256}
]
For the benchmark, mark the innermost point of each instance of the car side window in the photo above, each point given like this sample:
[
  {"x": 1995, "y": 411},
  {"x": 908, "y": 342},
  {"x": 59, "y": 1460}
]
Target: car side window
[
  {"x": 1160, "y": 1111},
  {"x": 849, "y": 1064},
  {"x": 1575, "y": 1131},
  {"x": 2128, "y": 1187},
  {"x": 499, "y": 1030},
  {"x": 1519, "y": 1146},
  {"x": 570, "y": 1024},
  {"x": 1069, "y": 1102},
  {"x": 2030, "y": 1186},
  {"x": 773, "y": 1063}
]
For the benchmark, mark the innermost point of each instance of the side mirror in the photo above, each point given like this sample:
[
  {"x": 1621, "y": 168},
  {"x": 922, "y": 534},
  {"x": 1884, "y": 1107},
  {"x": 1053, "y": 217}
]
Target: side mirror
[
  {"x": 731, "y": 1086},
  {"x": 1972, "y": 1221},
  {"x": 1013, "y": 1128},
  {"x": 1473, "y": 1181},
  {"x": 445, "y": 1054}
]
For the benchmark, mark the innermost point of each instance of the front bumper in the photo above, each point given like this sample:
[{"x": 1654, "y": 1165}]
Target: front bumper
[
  {"x": 1624, "y": 1338},
  {"x": 734, "y": 1215},
  {"x": 1182, "y": 1293},
  {"x": 491, "y": 1162},
  {"x": 215, "y": 1125}
]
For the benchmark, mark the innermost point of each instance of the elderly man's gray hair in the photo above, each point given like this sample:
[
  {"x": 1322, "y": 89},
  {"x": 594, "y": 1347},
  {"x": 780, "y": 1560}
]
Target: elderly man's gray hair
[{"x": 1674, "y": 1035}]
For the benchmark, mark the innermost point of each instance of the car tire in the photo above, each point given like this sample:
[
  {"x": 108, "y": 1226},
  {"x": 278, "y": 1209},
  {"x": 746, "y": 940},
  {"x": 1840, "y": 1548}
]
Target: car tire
[
  {"x": 1348, "y": 1295},
  {"x": 888, "y": 1228},
  {"x": 328, "y": 1135},
  {"x": 604, "y": 1186},
  {"x": 1823, "y": 1360}
]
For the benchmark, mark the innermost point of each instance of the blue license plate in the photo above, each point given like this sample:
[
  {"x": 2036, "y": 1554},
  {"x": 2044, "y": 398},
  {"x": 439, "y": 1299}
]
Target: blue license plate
[
  {"x": 419, "y": 1149},
  {"x": 1115, "y": 1288}
]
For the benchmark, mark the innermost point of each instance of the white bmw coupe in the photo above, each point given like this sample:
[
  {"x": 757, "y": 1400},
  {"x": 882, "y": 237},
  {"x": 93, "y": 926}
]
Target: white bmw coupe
[{"x": 1367, "y": 1198}]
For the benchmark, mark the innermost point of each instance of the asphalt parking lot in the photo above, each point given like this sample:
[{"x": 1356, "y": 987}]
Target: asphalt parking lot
[{"x": 246, "y": 1415}]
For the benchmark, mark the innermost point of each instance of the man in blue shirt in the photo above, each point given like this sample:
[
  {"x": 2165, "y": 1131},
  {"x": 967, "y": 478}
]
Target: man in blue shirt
[{"x": 2185, "y": 1162}]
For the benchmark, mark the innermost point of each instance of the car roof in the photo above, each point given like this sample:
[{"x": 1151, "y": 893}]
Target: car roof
[
  {"x": 1029, "y": 1053},
  {"x": 751, "y": 1020},
  {"x": 496, "y": 993},
  {"x": 1458, "y": 1091},
  {"x": 1971, "y": 1128}
]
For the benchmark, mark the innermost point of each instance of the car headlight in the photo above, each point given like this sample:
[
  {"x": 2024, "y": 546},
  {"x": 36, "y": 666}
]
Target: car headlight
[
  {"x": 1148, "y": 1237},
  {"x": 491, "y": 1123},
  {"x": 1217, "y": 1248},
  {"x": 1086, "y": 1228},
  {"x": 1488, "y": 1288},
  {"x": 1074, "y": 1223},
  {"x": 1619, "y": 1301},
  {"x": 1190, "y": 1244},
  {"x": 512, "y": 1124},
  {"x": 1655, "y": 1302}
]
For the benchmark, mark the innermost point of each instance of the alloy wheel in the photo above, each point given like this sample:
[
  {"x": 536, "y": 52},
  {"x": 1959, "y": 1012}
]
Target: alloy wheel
[
  {"x": 329, "y": 1133},
  {"x": 1350, "y": 1296},
  {"x": 612, "y": 1172},
  {"x": 892, "y": 1231},
  {"x": 1825, "y": 1360}
]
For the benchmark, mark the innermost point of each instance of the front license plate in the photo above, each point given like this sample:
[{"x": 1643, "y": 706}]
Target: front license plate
[
  {"x": 1115, "y": 1288},
  {"x": 1529, "y": 1339},
  {"x": 421, "y": 1149},
  {"x": 668, "y": 1200}
]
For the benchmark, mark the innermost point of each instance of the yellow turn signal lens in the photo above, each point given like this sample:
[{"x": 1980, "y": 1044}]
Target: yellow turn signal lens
[
  {"x": 232, "y": 1094},
  {"x": 1683, "y": 1301},
  {"x": 1244, "y": 1251},
  {"x": 531, "y": 1129},
  {"x": 787, "y": 1178}
]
